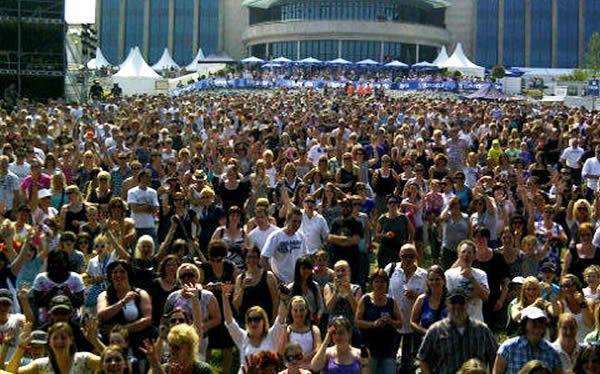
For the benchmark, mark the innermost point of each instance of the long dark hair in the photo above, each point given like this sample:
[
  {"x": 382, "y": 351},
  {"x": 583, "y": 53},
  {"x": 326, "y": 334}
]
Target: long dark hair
[
  {"x": 304, "y": 261},
  {"x": 111, "y": 293},
  {"x": 60, "y": 326},
  {"x": 437, "y": 270}
]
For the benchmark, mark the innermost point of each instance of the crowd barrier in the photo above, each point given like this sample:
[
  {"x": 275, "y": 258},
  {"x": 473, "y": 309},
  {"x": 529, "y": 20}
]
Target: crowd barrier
[{"x": 215, "y": 83}]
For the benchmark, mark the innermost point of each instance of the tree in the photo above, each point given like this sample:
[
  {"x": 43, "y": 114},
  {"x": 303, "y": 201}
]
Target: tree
[
  {"x": 498, "y": 72},
  {"x": 592, "y": 55}
]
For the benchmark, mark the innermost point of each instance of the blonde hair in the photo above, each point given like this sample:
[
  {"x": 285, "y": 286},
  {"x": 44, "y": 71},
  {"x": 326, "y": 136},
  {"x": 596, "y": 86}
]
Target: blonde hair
[
  {"x": 104, "y": 174},
  {"x": 207, "y": 191},
  {"x": 185, "y": 335},
  {"x": 473, "y": 366},
  {"x": 57, "y": 176},
  {"x": 528, "y": 281},
  {"x": 258, "y": 310},
  {"x": 193, "y": 268},
  {"x": 144, "y": 239}
]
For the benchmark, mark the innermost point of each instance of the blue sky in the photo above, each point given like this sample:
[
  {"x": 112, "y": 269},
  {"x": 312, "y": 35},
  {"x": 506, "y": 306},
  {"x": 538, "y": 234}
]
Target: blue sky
[{"x": 80, "y": 11}]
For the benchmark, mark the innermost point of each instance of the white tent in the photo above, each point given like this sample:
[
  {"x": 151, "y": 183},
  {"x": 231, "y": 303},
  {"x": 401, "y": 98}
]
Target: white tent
[
  {"x": 282, "y": 60},
  {"x": 165, "y": 62},
  {"x": 309, "y": 60},
  {"x": 193, "y": 66},
  {"x": 99, "y": 61},
  {"x": 252, "y": 60},
  {"x": 135, "y": 76},
  {"x": 367, "y": 61},
  {"x": 459, "y": 62},
  {"x": 339, "y": 61},
  {"x": 442, "y": 57},
  {"x": 396, "y": 64}
]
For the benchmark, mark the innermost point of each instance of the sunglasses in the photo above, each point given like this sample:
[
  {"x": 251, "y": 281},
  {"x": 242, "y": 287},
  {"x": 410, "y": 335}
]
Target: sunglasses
[
  {"x": 292, "y": 358},
  {"x": 176, "y": 321},
  {"x": 187, "y": 275},
  {"x": 408, "y": 256},
  {"x": 254, "y": 319}
]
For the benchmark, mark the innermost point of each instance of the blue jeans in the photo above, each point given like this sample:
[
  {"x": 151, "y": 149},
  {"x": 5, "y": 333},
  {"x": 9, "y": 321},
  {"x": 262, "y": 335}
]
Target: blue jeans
[{"x": 383, "y": 365}]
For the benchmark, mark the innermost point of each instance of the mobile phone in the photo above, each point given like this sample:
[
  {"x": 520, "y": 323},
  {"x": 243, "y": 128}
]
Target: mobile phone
[{"x": 284, "y": 290}]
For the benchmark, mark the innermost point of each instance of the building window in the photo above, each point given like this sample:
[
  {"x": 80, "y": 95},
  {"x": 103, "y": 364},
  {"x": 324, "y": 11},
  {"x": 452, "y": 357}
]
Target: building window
[
  {"x": 284, "y": 49},
  {"x": 209, "y": 26},
  {"x": 514, "y": 33},
  {"x": 159, "y": 26},
  {"x": 323, "y": 50},
  {"x": 109, "y": 30},
  {"x": 134, "y": 25},
  {"x": 592, "y": 15},
  {"x": 356, "y": 50},
  {"x": 540, "y": 54},
  {"x": 486, "y": 51},
  {"x": 184, "y": 23},
  {"x": 568, "y": 33}
]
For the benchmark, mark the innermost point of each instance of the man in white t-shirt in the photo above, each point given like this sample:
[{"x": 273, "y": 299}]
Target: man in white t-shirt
[
  {"x": 314, "y": 226},
  {"x": 318, "y": 150},
  {"x": 571, "y": 156},
  {"x": 259, "y": 235},
  {"x": 472, "y": 281},
  {"x": 20, "y": 167},
  {"x": 9, "y": 320},
  {"x": 284, "y": 246},
  {"x": 591, "y": 172},
  {"x": 143, "y": 202},
  {"x": 9, "y": 186}
]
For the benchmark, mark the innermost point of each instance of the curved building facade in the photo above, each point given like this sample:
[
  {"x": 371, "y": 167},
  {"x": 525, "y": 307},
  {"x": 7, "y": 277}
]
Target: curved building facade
[{"x": 407, "y": 30}]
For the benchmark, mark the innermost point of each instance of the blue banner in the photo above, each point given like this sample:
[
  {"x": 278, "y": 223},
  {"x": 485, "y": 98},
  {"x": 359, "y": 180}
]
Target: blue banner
[
  {"x": 414, "y": 85},
  {"x": 594, "y": 87}
]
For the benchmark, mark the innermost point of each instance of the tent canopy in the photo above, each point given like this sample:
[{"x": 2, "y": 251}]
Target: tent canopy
[
  {"x": 488, "y": 92},
  {"x": 165, "y": 62},
  {"x": 99, "y": 61},
  {"x": 396, "y": 64},
  {"x": 252, "y": 60},
  {"x": 309, "y": 60},
  {"x": 339, "y": 61},
  {"x": 218, "y": 58},
  {"x": 442, "y": 57},
  {"x": 459, "y": 62},
  {"x": 367, "y": 61},
  {"x": 282, "y": 60},
  {"x": 425, "y": 65},
  {"x": 193, "y": 66},
  {"x": 136, "y": 67}
]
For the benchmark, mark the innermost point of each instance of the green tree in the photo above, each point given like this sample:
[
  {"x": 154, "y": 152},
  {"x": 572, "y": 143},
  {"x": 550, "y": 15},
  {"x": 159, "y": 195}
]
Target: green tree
[
  {"x": 592, "y": 55},
  {"x": 498, "y": 72}
]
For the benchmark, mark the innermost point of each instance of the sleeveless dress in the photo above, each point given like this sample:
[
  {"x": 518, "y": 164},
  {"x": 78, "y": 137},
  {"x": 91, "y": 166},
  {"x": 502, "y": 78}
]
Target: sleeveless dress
[
  {"x": 381, "y": 341},
  {"x": 78, "y": 367},
  {"x": 333, "y": 367},
  {"x": 256, "y": 295},
  {"x": 305, "y": 339},
  {"x": 70, "y": 216},
  {"x": 219, "y": 337},
  {"x": 578, "y": 264},
  {"x": 429, "y": 315},
  {"x": 234, "y": 249}
]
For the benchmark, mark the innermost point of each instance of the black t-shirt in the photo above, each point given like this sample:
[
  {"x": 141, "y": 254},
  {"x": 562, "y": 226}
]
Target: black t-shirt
[
  {"x": 347, "y": 227},
  {"x": 497, "y": 269}
]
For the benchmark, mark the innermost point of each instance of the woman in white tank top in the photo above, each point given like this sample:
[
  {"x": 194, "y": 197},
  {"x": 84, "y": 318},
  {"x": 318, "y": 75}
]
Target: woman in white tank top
[{"x": 301, "y": 330}]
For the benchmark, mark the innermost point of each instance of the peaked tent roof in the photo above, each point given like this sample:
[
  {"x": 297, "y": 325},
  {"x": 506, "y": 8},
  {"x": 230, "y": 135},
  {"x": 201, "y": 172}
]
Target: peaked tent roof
[
  {"x": 252, "y": 60},
  {"x": 309, "y": 60},
  {"x": 396, "y": 64},
  {"x": 458, "y": 60},
  {"x": 442, "y": 57},
  {"x": 193, "y": 66},
  {"x": 136, "y": 67},
  {"x": 282, "y": 60},
  {"x": 339, "y": 61},
  {"x": 424, "y": 64},
  {"x": 218, "y": 58},
  {"x": 367, "y": 61},
  {"x": 98, "y": 62},
  {"x": 128, "y": 56},
  {"x": 488, "y": 92},
  {"x": 165, "y": 62}
]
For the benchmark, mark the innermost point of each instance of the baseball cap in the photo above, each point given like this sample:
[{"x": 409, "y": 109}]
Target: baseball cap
[
  {"x": 533, "y": 312},
  {"x": 61, "y": 302},
  {"x": 457, "y": 296},
  {"x": 518, "y": 280},
  {"x": 548, "y": 267},
  {"x": 39, "y": 337},
  {"x": 6, "y": 295},
  {"x": 44, "y": 193}
]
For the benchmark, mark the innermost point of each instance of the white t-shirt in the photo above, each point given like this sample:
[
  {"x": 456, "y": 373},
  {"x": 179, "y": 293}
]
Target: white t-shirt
[
  {"x": 20, "y": 171},
  {"x": 15, "y": 321},
  {"x": 148, "y": 196},
  {"x": 316, "y": 152},
  {"x": 283, "y": 250},
  {"x": 591, "y": 166},
  {"x": 571, "y": 156},
  {"x": 315, "y": 231},
  {"x": 44, "y": 284},
  {"x": 399, "y": 285},
  {"x": 455, "y": 280},
  {"x": 259, "y": 237},
  {"x": 242, "y": 341},
  {"x": 9, "y": 183}
]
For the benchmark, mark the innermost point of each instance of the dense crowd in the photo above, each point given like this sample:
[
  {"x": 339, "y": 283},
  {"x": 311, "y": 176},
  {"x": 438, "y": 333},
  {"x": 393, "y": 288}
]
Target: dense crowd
[{"x": 298, "y": 231}]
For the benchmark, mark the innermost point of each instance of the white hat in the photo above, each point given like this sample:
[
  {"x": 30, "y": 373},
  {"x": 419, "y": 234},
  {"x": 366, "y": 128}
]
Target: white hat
[
  {"x": 44, "y": 193},
  {"x": 518, "y": 280},
  {"x": 532, "y": 312}
]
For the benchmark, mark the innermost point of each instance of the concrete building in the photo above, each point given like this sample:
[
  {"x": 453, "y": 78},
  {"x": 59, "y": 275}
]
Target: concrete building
[{"x": 538, "y": 33}]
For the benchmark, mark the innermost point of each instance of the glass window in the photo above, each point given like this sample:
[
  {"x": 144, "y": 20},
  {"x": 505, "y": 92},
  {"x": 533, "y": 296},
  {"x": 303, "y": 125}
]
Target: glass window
[
  {"x": 568, "y": 33},
  {"x": 184, "y": 22},
  {"x": 540, "y": 54},
  {"x": 134, "y": 25},
  {"x": 109, "y": 30},
  {"x": 486, "y": 51},
  {"x": 209, "y": 26},
  {"x": 284, "y": 49},
  {"x": 356, "y": 50},
  {"x": 159, "y": 29},
  {"x": 392, "y": 51},
  {"x": 592, "y": 15},
  {"x": 514, "y": 33}
]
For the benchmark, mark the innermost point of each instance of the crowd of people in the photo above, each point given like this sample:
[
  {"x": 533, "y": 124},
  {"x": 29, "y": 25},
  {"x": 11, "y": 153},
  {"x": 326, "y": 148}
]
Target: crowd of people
[{"x": 296, "y": 232}]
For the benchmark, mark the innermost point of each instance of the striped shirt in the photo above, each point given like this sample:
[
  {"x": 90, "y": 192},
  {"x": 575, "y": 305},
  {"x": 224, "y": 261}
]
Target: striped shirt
[
  {"x": 517, "y": 352},
  {"x": 445, "y": 348}
]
